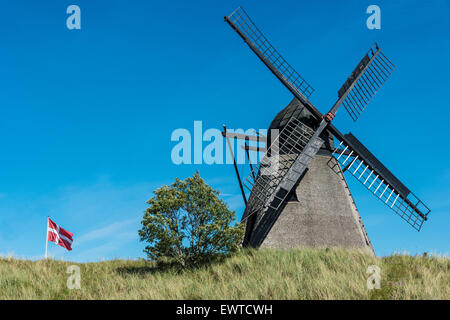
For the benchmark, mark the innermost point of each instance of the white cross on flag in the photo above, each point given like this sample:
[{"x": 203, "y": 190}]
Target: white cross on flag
[{"x": 58, "y": 235}]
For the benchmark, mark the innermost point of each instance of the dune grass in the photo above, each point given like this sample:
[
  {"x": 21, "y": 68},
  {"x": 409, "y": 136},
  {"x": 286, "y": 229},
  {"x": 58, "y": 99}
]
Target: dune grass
[{"x": 249, "y": 274}]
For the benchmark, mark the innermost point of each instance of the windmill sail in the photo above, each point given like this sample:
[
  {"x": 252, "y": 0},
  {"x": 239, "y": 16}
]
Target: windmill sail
[
  {"x": 282, "y": 166},
  {"x": 364, "y": 82},
  {"x": 244, "y": 26},
  {"x": 355, "y": 158}
]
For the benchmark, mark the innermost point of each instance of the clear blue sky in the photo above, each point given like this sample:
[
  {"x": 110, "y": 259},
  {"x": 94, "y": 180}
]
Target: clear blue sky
[{"x": 87, "y": 115}]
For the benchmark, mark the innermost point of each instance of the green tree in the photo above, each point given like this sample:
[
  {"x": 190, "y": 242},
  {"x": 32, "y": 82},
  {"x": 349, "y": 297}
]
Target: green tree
[{"x": 188, "y": 224}]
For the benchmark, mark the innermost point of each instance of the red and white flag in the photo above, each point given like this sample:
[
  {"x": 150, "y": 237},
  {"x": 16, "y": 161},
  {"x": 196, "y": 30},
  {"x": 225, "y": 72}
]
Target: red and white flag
[{"x": 58, "y": 235}]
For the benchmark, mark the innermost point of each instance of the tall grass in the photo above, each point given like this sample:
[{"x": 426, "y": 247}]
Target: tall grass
[{"x": 249, "y": 274}]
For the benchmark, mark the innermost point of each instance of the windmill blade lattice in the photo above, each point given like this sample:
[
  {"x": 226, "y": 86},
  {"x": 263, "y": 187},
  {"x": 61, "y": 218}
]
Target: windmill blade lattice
[
  {"x": 244, "y": 26},
  {"x": 373, "y": 71},
  {"x": 273, "y": 178},
  {"x": 353, "y": 157}
]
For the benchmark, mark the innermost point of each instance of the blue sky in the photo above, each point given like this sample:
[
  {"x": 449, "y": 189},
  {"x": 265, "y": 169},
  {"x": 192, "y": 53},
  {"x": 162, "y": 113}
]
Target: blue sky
[{"x": 87, "y": 115}]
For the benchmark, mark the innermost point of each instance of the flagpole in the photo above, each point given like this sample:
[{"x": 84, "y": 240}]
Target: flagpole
[{"x": 46, "y": 239}]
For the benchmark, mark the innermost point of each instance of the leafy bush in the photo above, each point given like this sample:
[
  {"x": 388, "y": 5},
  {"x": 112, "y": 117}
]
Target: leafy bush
[{"x": 188, "y": 224}]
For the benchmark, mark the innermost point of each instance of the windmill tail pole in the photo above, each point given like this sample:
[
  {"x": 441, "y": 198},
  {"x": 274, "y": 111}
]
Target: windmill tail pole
[{"x": 234, "y": 163}]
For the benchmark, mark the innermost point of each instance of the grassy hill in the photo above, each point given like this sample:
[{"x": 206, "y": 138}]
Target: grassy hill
[{"x": 250, "y": 274}]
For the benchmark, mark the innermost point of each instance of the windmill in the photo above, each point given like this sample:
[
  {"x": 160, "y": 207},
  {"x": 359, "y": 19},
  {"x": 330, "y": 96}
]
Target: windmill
[{"x": 298, "y": 192}]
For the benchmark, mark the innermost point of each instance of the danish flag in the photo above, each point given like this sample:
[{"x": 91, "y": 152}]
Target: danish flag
[{"x": 58, "y": 235}]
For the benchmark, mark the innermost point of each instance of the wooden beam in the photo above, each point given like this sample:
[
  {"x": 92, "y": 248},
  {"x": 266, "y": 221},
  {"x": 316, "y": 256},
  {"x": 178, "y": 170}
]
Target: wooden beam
[
  {"x": 251, "y": 148},
  {"x": 241, "y": 136}
]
